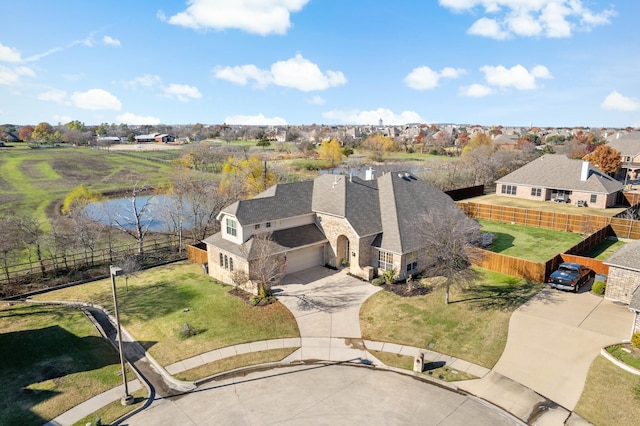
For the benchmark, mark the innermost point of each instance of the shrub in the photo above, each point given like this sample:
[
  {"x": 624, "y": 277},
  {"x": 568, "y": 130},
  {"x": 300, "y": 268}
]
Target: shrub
[
  {"x": 635, "y": 340},
  {"x": 377, "y": 281},
  {"x": 187, "y": 330},
  {"x": 599, "y": 287},
  {"x": 389, "y": 275}
]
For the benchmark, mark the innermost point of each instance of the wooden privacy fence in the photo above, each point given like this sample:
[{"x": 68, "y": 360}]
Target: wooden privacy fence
[
  {"x": 521, "y": 268},
  {"x": 197, "y": 253},
  {"x": 579, "y": 223}
]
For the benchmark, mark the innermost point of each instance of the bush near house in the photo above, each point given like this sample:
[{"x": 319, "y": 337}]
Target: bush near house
[{"x": 599, "y": 287}]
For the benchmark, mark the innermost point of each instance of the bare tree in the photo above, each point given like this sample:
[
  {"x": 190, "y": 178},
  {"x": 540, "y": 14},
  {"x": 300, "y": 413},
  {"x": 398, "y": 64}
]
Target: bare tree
[
  {"x": 86, "y": 233},
  {"x": 11, "y": 244},
  {"x": 450, "y": 238},
  {"x": 130, "y": 266},
  {"x": 33, "y": 237},
  {"x": 265, "y": 268},
  {"x": 137, "y": 222}
]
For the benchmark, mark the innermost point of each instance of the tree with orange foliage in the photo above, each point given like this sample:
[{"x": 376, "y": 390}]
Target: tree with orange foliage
[{"x": 605, "y": 158}]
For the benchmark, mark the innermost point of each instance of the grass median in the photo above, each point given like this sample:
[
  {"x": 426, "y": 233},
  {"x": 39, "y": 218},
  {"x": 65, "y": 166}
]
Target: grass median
[
  {"x": 161, "y": 300},
  {"x": 473, "y": 327}
]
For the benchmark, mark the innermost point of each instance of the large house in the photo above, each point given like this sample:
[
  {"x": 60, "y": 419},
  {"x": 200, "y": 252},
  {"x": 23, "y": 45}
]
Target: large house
[
  {"x": 628, "y": 144},
  {"x": 555, "y": 177},
  {"x": 624, "y": 272},
  {"x": 367, "y": 225}
]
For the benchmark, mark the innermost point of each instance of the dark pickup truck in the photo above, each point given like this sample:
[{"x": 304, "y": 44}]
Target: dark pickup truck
[{"x": 570, "y": 276}]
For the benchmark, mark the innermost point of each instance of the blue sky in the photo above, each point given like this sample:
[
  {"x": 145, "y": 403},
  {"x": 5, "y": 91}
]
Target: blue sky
[{"x": 553, "y": 63}]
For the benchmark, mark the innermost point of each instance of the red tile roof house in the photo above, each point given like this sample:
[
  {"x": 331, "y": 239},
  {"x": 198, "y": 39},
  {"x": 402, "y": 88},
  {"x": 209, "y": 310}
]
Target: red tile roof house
[
  {"x": 333, "y": 220},
  {"x": 554, "y": 177}
]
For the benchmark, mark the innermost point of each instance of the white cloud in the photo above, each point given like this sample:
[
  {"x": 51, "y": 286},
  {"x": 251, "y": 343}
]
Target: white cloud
[
  {"x": 529, "y": 18},
  {"x": 297, "y": 73},
  {"x": 55, "y": 95},
  {"x": 262, "y": 17},
  {"x": 317, "y": 100},
  {"x": 372, "y": 117},
  {"x": 475, "y": 91},
  {"x": 243, "y": 74},
  {"x": 486, "y": 27},
  {"x": 146, "y": 80},
  {"x": 182, "y": 92},
  {"x": 259, "y": 119},
  {"x": 61, "y": 118},
  {"x": 617, "y": 102},
  {"x": 517, "y": 76},
  {"x": 111, "y": 41},
  {"x": 9, "y": 54},
  {"x": 131, "y": 118},
  {"x": 96, "y": 99},
  {"x": 424, "y": 78},
  {"x": 12, "y": 75}
]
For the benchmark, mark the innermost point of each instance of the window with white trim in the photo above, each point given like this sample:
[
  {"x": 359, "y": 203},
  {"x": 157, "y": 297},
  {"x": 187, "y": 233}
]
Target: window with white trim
[
  {"x": 536, "y": 192},
  {"x": 594, "y": 198},
  {"x": 385, "y": 260},
  {"x": 268, "y": 224},
  {"x": 231, "y": 227},
  {"x": 509, "y": 189}
]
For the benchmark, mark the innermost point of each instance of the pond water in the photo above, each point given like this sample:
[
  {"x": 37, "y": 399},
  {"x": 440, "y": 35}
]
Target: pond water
[{"x": 120, "y": 210}]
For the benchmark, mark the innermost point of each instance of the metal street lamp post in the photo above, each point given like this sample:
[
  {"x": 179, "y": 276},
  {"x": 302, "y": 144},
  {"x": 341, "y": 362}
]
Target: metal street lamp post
[{"x": 127, "y": 399}]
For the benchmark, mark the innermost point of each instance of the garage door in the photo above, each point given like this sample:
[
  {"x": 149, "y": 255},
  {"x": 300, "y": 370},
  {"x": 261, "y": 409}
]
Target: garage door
[{"x": 304, "y": 259}]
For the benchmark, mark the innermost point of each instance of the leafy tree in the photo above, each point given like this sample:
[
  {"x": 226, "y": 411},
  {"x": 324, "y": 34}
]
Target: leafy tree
[
  {"x": 379, "y": 145},
  {"x": 605, "y": 158},
  {"x": 331, "y": 151},
  {"x": 478, "y": 139},
  {"x": 44, "y": 132},
  {"x": 245, "y": 177},
  {"x": 79, "y": 197},
  {"x": 75, "y": 125},
  {"x": 25, "y": 133},
  {"x": 450, "y": 237},
  {"x": 263, "y": 142}
]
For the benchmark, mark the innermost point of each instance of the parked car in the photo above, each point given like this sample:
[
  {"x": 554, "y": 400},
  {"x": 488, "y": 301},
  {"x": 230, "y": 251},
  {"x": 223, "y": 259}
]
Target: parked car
[{"x": 570, "y": 276}]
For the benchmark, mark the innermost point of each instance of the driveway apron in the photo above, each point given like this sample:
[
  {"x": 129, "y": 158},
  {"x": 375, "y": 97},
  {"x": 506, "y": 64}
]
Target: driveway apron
[{"x": 326, "y": 305}]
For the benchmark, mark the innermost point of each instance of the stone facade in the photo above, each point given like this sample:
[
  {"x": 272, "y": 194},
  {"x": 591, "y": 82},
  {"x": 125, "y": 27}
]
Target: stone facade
[
  {"x": 621, "y": 284},
  {"x": 636, "y": 324}
]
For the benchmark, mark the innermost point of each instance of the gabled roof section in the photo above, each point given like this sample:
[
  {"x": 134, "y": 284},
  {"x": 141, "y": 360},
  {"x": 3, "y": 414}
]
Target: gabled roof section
[
  {"x": 627, "y": 257},
  {"x": 559, "y": 172},
  {"x": 277, "y": 202},
  {"x": 351, "y": 198},
  {"x": 404, "y": 199},
  {"x": 627, "y": 146},
  {"x": 635, "y": 300}
]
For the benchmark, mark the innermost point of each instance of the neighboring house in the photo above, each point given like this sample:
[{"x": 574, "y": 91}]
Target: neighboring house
[
  {"x": 628, "y": 144},
  {"x": 155, "y": 137},
  {"x": 624, "y": 272},
  {"x": 554, "y": 177},
  {"x": 335, "y": 220}
]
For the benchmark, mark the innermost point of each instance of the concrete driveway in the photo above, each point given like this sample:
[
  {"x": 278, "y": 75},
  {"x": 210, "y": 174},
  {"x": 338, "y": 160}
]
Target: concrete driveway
[
  {"x": 321, "y": 395},
  {"x": 326, "y": 305},
  {"x": 552, "y": 342}
]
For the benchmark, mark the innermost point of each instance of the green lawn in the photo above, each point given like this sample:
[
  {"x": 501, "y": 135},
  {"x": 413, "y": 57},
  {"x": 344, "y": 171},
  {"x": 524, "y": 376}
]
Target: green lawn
[
  {"x": 611, "y": 396},
  {"x": 605, "y": 249},
  {"x": 52, "y": 359},
  {"x": 161, "y": 300},
  {"x": 536, "y": 244},
  {"x": 445, "y": 373},
  {"x": 473, "y": 327}
]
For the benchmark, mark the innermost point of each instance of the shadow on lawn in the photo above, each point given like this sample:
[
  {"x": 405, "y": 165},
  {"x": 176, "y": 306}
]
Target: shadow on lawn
[
  {"x": 501, "y": 242},
  {"x": 163, "y": 298},
  {"x": 508, "y": 296}
]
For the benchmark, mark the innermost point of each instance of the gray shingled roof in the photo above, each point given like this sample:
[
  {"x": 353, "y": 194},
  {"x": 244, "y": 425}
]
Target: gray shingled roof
[
  {"x": 559, "y": 172},
  {"x": 627, "y": 256},
  {"x": 350, "y": 197},
  {"x": 629, "y": 147},
  {"x": 281, "y": 241},
  {"x": 278, "y": 202},
  {"x": 403, "y": 200}
]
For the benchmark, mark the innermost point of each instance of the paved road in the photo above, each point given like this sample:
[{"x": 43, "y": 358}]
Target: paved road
[{"x": 322, "y": 395}]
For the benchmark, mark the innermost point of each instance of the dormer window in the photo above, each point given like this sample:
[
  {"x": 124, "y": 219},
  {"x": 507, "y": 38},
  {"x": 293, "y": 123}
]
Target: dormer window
[
  {"x": 268, "y": 225},
  {"x": 231, "y": 227},
  {"x": 257, "y": 226}
]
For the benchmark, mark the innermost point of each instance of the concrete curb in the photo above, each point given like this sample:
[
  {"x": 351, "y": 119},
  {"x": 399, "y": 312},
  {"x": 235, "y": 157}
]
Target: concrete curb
[{"x": 605, "y": 353}]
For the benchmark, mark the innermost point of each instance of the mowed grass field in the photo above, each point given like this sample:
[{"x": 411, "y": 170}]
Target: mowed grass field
[
  {"x": 52, "y": 358},
  {"x": 31, "y": 180},
  {"x": 160, "y": 300}
]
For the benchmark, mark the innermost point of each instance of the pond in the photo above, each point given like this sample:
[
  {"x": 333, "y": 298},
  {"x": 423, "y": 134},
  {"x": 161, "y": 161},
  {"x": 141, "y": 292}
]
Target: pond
[{"x": 158, "y": 214}]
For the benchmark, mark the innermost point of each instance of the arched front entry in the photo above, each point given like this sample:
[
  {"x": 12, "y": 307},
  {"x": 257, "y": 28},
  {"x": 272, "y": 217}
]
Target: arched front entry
[{"x": 343, "y": 250}]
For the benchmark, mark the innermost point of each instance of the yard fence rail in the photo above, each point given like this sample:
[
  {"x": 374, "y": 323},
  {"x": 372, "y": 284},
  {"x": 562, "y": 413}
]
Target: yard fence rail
[{"x": 579, "y": 223}]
